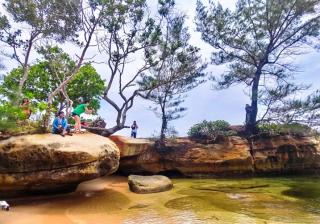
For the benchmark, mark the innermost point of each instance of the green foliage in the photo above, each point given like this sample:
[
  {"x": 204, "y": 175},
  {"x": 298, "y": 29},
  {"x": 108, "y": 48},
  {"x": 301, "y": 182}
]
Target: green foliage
[
  {"x": 86, "y": 85},
  {"x": 13, "y": 121},
  {"x": 210, "y": 130},
  {"x": 293, "y": 129},
  {"x": 45, "y": 76},
  {"x": 58, "y": 18},
  {"x": 304, "y": 111},
  {"x": 180, "y": 71},
  {"x": 9, "y": 117}
]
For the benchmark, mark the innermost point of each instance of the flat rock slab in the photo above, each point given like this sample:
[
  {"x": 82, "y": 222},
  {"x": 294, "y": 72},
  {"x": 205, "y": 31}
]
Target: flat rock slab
[
  {"x": 131, "y": 146},
  {"x": 149, "y": 184}
]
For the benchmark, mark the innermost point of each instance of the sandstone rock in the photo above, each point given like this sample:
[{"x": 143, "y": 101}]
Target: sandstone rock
[
  {"x": 286, "y": 154},
  {"x": 231, "y": 157},
  {"x": 149, "y": 184},
  {"x": 45, "y": 163},
  {"x": 131, "y": 146}
]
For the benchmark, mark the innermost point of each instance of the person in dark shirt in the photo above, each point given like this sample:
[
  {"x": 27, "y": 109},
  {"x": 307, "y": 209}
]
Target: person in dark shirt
[{"x": 134, "y": 128}]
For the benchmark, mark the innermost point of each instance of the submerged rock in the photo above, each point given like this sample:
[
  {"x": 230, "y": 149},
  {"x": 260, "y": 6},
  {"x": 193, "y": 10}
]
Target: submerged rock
[
  {"x": 149, "y": 184},
  {"x": 50, "y": 163}
]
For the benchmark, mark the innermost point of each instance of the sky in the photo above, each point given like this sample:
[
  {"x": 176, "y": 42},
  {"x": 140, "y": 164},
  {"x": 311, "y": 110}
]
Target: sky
[{"x": 203, "y": 102}]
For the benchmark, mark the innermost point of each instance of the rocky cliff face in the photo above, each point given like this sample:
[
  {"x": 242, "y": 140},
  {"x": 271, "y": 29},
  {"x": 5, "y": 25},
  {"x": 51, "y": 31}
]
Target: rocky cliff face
[
  {"x": 228, "y": 157},
  {"x": 285, "y": 154},
  {"x": 45, "y": 163}
]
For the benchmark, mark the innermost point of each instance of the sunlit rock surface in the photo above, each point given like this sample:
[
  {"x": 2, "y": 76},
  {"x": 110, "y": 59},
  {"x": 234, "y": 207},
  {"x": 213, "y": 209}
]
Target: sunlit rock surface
[
  {"x": 46, "y": 163},
  {"x": 230, "y": 156}
]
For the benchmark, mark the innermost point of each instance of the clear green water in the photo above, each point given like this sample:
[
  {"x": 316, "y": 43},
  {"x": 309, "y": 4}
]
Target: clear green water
[{"x": 108, "y": 200}]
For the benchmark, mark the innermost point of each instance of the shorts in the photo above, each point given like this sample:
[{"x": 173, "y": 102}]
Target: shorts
[{"x": 74, "y": 114}]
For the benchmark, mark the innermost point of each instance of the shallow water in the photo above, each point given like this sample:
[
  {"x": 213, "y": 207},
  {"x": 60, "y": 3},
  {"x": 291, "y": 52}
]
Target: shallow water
[{"x": 108, "y": 200}]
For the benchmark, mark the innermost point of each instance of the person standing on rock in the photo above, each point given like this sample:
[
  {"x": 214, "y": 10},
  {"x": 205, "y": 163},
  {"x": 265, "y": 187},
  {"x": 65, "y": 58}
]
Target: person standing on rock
[
  {"x": 80, "y": 109},
  {"x": 134, "y": 128},
  {"x": 60, "y": 125}
]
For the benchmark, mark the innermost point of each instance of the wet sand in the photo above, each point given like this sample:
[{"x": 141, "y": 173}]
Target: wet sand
[{"x": 108, "y": 200}]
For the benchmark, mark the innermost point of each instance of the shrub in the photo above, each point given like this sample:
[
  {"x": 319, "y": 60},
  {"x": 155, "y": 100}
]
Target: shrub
[
  {"x": 210, "y": 130},
  {"x": 9, "y": 116},
  {"x": 13, "y": 121},
  {"x": 99, "y": 123},
  {"x": 293, "y": 129}
]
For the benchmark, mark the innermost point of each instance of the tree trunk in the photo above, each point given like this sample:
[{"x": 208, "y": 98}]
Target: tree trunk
[
  {"x": 103, "y": 131},
  {"x": 46, "y": 116},
  {"x": 25, "y": 68},
  {"x": 163, "y": 129},
  {"x": 253, "y": 111}
]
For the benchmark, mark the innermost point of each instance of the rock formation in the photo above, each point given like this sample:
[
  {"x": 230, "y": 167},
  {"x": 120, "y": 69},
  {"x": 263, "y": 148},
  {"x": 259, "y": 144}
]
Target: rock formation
[
  {"x": 230, "y": 156},
  {"x": 285, "y": 154},
  {"x": 46, "y": 163}
]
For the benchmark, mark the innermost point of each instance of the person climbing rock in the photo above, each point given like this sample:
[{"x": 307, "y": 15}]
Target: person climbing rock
[
  {"x": 60, "y": 125},
  {"x": 25, "y": 107},
  {"x": 80, "y": 109},
  {"x": 134, "y": 128}
]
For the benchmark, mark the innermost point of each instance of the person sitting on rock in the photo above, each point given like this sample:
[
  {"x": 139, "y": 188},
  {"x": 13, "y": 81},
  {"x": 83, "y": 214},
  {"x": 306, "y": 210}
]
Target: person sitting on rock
[{"x": 60, "y": 125}]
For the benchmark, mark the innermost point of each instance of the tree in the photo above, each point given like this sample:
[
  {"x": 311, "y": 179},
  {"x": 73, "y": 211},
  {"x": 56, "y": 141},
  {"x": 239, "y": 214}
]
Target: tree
[
  {"x": 130, "y": 33},
  {"x": 93, "y": 14},
  {"x": 303, "y": 111},
  {"x": 45, "y": 76},
  {"x": 179, "y": 72},
  {"x": 57, "y": 19},
  {"x": 257, "y": 40}
]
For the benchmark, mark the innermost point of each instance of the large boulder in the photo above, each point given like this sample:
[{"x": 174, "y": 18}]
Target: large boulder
[
  {"x": 149, "y": 184},
  {"x": 286, "y": 154},
  {"x": 229, "y": 157},
  {"x": 49, "y": 163}
]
